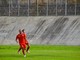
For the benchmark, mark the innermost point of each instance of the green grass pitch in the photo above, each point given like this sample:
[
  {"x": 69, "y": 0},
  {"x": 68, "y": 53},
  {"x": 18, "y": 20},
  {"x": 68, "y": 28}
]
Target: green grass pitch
[{"x": 41, "y": 52}]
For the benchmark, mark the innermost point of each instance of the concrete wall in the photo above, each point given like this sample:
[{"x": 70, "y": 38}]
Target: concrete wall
[{"x": 58, "y": 30}]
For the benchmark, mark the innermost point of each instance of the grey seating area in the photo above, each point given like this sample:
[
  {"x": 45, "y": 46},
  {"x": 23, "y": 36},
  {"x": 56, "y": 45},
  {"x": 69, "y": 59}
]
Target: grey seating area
[
  {"x": 57, "y": 30},
  {"x": 45, "y": 21}
]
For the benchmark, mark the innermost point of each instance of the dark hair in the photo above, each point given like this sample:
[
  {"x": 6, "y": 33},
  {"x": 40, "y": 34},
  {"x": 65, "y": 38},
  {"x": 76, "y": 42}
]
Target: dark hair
[{"x": 23, "y": 30}]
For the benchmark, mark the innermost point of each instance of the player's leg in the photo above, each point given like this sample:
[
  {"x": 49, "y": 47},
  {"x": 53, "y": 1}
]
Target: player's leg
[
  {"x": 23, "y": 51},
  {"x": 28, "y": 47},
  {"x": 19, "y": 50}
]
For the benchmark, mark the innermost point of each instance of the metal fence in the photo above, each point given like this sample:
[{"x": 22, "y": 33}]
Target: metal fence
[{"x": 39, "y": 7}]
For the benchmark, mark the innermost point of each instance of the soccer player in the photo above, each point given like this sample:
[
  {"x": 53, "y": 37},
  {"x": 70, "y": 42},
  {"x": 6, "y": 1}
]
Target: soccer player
[
  {"x": 27, "y": 43},
  {"x": 20, "y": 39}
]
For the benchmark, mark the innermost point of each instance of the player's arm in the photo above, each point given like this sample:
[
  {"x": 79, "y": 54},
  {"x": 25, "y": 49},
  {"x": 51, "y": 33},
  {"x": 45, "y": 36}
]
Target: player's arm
[
  {"x": 25, "y": 36},
  {"x": 16, "y": 39}
]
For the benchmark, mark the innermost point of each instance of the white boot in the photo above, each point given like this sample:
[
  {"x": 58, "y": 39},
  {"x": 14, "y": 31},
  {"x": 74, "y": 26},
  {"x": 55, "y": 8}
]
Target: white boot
[
  {"x": 18, "y": 52},
  {"x": 28, "y": 51},
  {"x": 24, "y": 55}
]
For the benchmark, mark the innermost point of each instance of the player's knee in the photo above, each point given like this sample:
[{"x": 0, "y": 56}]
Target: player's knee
[{"x": 28, "y": 46}]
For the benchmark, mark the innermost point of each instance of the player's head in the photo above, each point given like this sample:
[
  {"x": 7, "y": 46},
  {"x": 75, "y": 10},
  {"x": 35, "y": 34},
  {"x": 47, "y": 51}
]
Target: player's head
[{"x": 22, "y": 30}]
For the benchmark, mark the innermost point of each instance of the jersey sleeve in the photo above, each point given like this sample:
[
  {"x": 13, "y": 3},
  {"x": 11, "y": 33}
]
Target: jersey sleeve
[{"x": 16, "y": 37}]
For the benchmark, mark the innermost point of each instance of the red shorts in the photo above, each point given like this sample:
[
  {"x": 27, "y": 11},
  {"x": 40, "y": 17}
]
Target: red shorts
[
  {"x": 27, "y": 42},
  {"x": 23, "y": 46}
]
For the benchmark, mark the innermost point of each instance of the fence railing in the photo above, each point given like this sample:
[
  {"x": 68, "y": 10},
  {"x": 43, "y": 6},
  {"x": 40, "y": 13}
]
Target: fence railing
[{"x": 15, "y": 8}]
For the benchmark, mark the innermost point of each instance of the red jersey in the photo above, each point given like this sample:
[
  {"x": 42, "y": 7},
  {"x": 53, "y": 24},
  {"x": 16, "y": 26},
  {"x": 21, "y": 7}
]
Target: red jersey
[
  {"x": 25, "y": 36},
  {"x": 20, "y": 38}
]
